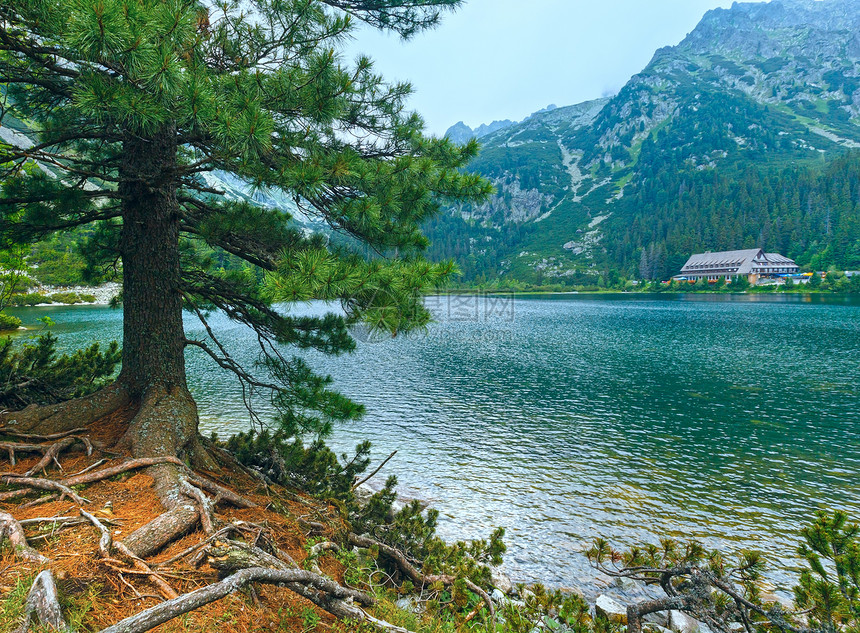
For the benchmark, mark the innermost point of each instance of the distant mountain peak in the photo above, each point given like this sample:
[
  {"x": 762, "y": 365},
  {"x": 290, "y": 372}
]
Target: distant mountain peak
[{"x": 461, "y": 133}]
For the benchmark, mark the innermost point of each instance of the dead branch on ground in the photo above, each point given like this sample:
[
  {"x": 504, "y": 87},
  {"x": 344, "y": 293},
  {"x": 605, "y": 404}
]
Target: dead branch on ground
[{"x": 417, "y": 578}]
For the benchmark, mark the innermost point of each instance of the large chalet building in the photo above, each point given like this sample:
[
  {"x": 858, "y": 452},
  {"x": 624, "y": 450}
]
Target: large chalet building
[{"x": 754, "y": 264}]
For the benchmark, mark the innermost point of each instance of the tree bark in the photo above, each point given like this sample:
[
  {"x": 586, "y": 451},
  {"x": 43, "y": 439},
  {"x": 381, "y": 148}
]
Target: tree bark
[
  {"x": 153, "y": 360},
  {"x": 635, "y": 612}
]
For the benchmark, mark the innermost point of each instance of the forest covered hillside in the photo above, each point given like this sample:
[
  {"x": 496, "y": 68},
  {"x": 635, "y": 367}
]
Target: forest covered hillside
[{"x": 741, "y": 136}]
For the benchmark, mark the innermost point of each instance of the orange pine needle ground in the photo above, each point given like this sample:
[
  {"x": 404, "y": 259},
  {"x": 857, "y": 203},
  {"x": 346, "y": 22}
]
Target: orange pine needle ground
[{"x": 94, "y": 594}]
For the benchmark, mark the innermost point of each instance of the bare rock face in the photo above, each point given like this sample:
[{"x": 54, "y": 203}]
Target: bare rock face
[
  {"x": 680, "y": 622},
  {"x": 611, "y": 609},
  {"x": 501, "y": 581}
]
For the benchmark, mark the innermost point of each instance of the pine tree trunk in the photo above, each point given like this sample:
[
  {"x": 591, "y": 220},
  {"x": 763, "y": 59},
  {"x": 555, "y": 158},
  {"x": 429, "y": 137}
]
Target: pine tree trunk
[
  {"x": 153, "y": 337},
  {"x": 153, "y": 364}
]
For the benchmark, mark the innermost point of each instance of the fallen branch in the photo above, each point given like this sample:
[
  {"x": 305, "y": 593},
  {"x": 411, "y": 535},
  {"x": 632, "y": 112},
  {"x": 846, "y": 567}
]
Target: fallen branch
[
  {"x": 56, "y": 526},
  {"x": 10, "y": 528},
  {"x": 417, "y": 578},
  {"x": 635, "y": 612},
  {"x": 313, "y": 527},
  {"x": 325, "y": 546},
  {"x": 39, "y": 501},
  {"x": 378, "y": 468},
  {"x": 92, "y": 466},
  {"x": 50, "y": 520},
  {"x": 473, "y": 613},
  {"x": 200, "y": 545}
]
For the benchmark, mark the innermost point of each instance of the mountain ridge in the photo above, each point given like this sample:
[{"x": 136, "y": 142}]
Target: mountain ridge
[{"x": 759, "y": 86}]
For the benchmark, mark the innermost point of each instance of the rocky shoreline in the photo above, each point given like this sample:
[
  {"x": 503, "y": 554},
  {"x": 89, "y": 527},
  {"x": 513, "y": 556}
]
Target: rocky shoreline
[
  {"x": 103, "y": 293},
  {"x": 605, "y": 595}
]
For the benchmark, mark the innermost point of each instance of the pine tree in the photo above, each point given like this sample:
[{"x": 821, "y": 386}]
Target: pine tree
[
  {"x": 137, "y": 102},
  {"x": 13, "y": 279}
]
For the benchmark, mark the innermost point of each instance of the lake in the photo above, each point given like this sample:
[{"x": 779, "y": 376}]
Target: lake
[{"x": 726, "y": 418}]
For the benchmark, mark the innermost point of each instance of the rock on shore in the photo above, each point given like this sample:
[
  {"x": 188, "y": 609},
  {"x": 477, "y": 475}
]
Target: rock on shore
[{"x": 103, "y": 293}]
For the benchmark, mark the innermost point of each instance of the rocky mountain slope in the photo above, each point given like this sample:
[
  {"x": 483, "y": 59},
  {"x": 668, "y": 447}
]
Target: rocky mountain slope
[{"x": 753, "y": 91}]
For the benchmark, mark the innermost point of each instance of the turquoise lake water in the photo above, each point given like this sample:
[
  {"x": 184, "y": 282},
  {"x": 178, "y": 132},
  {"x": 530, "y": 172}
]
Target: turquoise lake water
[{"x": 725, "y": 418}]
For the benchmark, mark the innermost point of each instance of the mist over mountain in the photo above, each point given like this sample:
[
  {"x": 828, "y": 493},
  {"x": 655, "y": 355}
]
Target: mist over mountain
[{"x": 735, "y": 138}]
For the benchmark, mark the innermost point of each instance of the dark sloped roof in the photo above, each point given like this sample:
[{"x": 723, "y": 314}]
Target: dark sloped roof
[{"x": 744, "y": 262}]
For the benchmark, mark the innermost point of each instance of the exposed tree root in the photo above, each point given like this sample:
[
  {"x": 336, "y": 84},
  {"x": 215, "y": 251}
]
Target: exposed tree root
[
  {"x": 54, "y": 451},
  {"x": 416, "y": 576},
  {"x": 69, "y": 415},
  {"x": 166, "y": 611},
  {"x": 158, "y": 436},
  {"x": 242, "y": 562},
  {"x": 41, "y": 484},
  {"x": 205, "y": 507},
  {"x": 41, "y": 438},
  {"x": 12, "y": 447},
  {"x": 106, "y": 544},
  {"x": 63, "y": 486},
  {"x": 231, "y": 556},
  {"x": 11, "y": 529},
  {"x": 169, "y": 472},
  {"x": 42, "y": 602},
  {"x": 221, "y": 492},
  {"x": 124, "y": 467}
]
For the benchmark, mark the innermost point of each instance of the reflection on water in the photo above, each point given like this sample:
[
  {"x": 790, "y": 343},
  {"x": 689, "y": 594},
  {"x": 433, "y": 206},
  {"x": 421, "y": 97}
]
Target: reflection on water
[{"x": 729, "y": 419}]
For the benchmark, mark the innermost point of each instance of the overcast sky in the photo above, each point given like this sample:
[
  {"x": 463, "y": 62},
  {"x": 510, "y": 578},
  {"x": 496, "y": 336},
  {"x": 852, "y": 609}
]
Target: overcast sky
[{"x": 504, "y": 59}]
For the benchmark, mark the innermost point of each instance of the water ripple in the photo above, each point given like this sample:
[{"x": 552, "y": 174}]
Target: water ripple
[{"x": 725, "y": 419}]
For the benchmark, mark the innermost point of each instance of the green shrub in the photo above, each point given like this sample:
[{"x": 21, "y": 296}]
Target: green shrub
[
  {"x": 33, "y": 373},
  {"x": 9, "y": 322},
  {"x": 284, "y": 459},
  {"x": 29, "y": 299},
  {"x": 69, "y": 298},
  {"x": 727, "y": 594}
]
